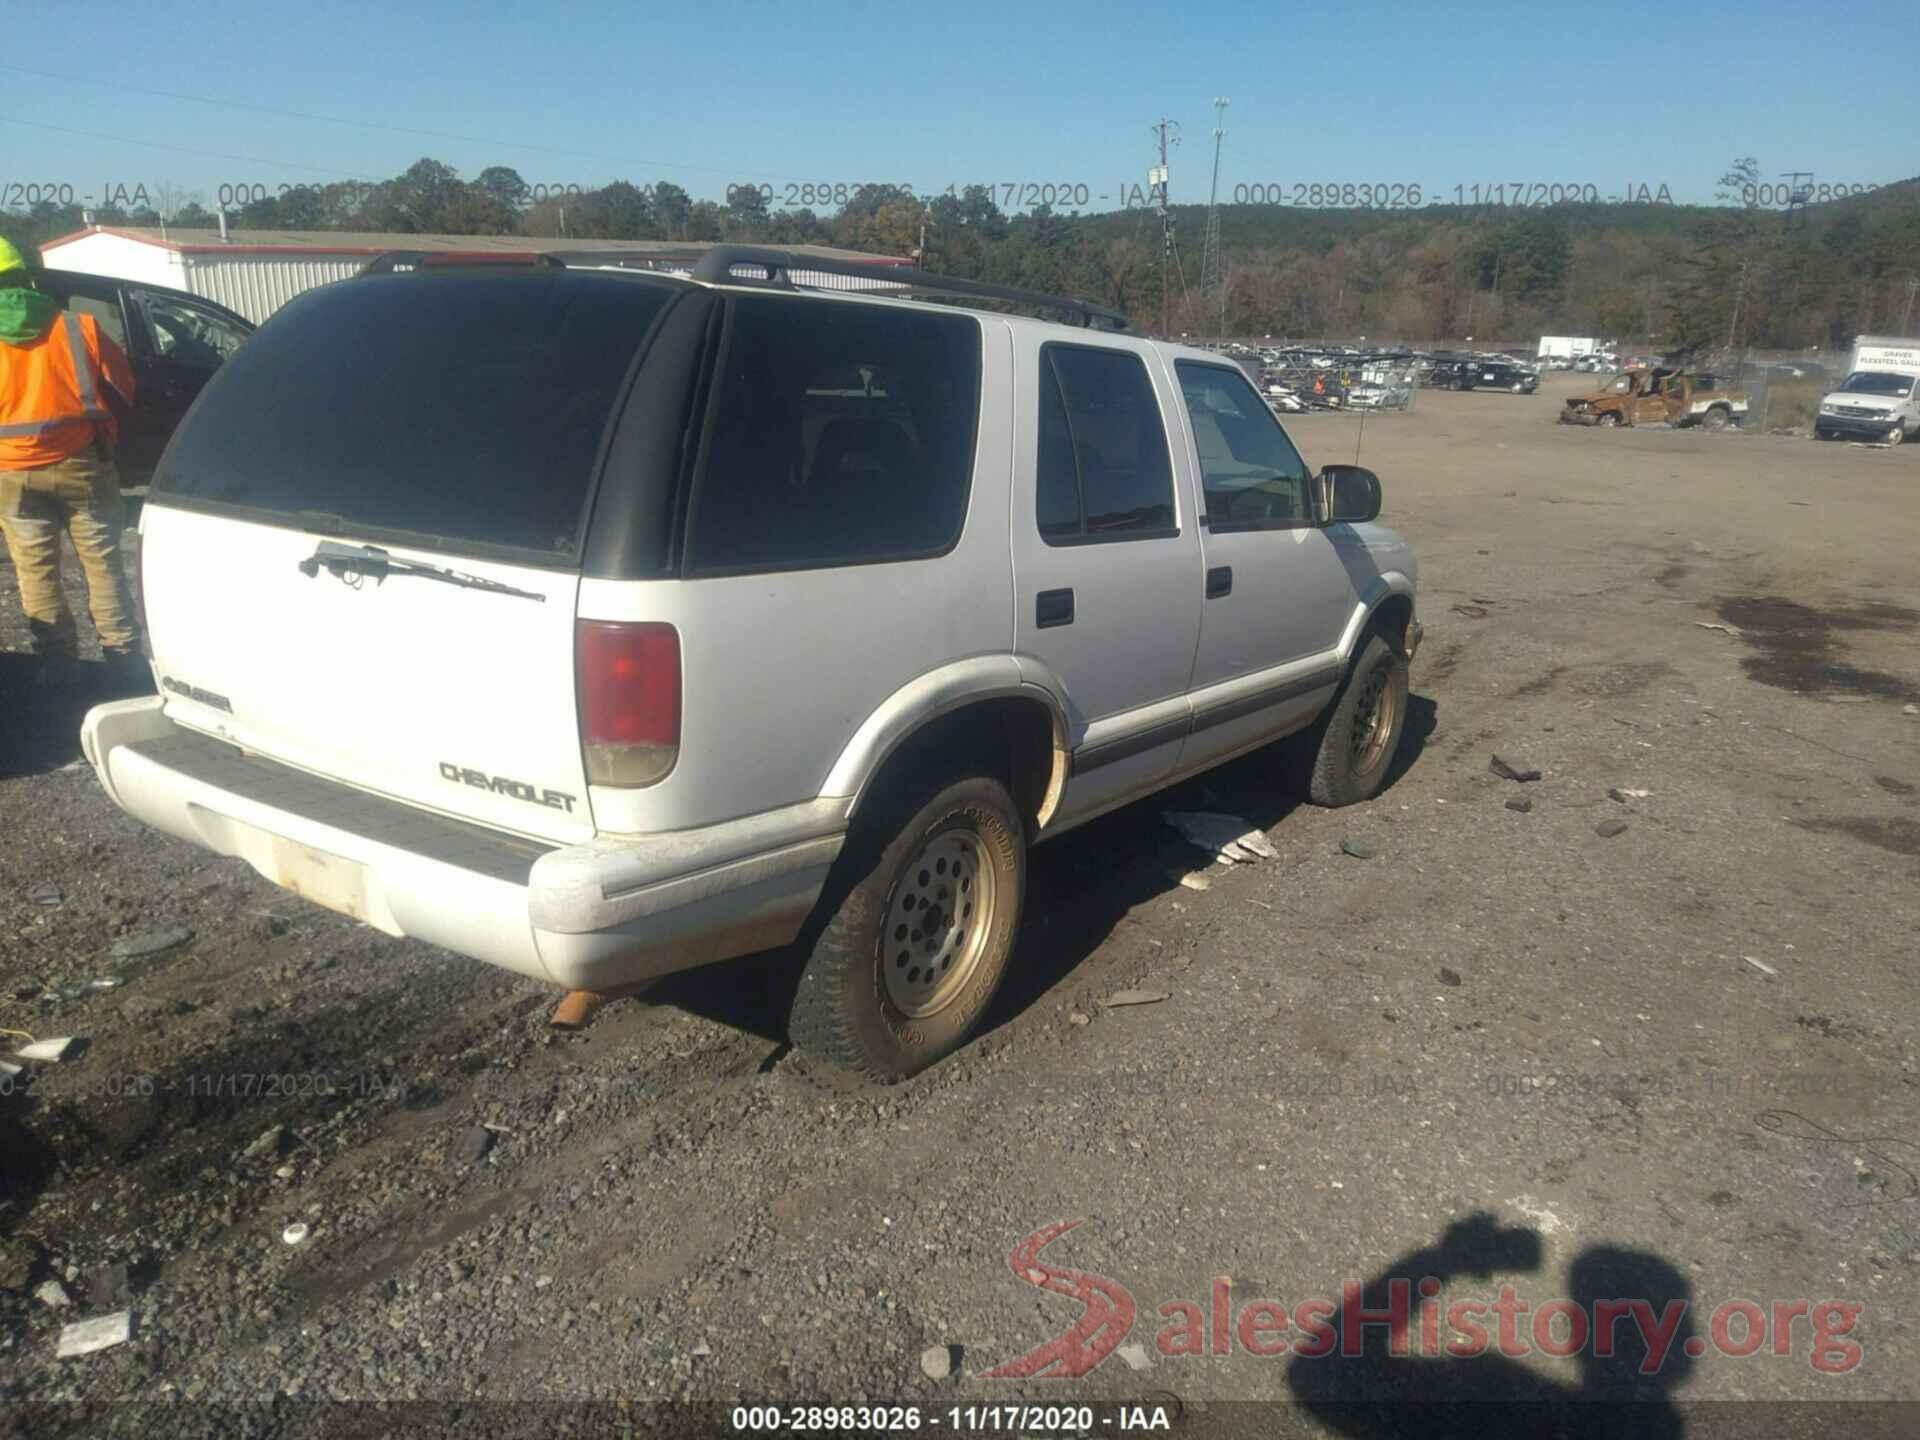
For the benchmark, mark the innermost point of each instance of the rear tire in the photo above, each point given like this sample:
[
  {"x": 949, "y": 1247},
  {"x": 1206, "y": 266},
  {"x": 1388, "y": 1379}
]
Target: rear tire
[
  {"x": 1610, "y": 419},
  {"x": 1897, "y": 435},
  {"x": 916, "y": 926},
  {"x": 1715, "y": 419},
  {"x": 1344, "y": 757}
]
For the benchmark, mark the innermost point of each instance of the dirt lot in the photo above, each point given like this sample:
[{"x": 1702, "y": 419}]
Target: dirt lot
[{"x": 1676, "y": 1063}]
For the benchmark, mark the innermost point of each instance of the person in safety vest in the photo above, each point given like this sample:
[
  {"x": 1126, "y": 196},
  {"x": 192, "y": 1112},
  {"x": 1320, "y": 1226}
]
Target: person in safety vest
[{"x": 64, "y": 389}]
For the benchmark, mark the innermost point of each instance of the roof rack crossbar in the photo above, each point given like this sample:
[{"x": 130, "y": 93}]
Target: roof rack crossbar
[
  {"x": 394, "y": 261},
  {"x": 716, "y": 267}
]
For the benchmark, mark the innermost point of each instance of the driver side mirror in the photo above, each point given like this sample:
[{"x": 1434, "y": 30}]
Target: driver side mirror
[{"x": 1349, "y": 494}]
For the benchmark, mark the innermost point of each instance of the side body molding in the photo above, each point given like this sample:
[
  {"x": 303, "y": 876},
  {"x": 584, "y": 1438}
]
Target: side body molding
[{"x": 927, "y": 697}]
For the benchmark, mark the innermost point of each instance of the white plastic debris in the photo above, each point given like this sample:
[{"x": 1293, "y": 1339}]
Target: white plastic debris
[
  {"x": 1729, "y": 629},
  {"x": 936, "y": 1362},
  {"x": 52, "y": 1294},
  {"x": 103, "y": 1332},
  {"x": 8, "y": 1069},
  {"x": 296, "y": 1232},
  {"x": 1135, "y": 1355},
  {"x": 1228, "y": 836},
  {"x": 45, "y": 1049},
  {"x": 1760, "y": 965}
]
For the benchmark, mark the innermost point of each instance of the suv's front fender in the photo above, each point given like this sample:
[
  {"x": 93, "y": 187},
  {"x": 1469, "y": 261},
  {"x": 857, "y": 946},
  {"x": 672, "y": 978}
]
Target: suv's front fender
[{"x": 1375, "y": 593}]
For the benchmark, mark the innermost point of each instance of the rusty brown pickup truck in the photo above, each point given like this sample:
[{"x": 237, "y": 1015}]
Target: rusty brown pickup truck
[{"x": 1653, "y": 397}]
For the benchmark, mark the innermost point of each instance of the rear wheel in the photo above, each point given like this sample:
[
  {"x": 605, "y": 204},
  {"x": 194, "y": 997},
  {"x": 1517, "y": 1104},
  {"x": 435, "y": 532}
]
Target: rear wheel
[
  {"x": 1896, "y": 435},
  {"x": 1715, "y": 419},
  {"x": 919, "y": 920},
  {"x": 1610, "y": 419},
  {"x": 1344, "y": 757}
]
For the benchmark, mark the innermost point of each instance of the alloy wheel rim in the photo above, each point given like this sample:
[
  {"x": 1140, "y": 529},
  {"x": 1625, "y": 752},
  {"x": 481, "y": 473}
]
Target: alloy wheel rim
[
  {"x": 937, "y": 923},
  {"x": 1374, "y": 721}
]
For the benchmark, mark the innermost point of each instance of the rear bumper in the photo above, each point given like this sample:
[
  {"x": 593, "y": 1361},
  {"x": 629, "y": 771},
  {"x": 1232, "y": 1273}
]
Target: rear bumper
[{"x": 614, "y": 911}]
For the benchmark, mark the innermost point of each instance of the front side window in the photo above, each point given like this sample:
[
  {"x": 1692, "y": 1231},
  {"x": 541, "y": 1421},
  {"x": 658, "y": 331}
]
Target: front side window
[
  {"x": 189, "y": 334},
  {"x": 1103, "y": 472},
  {"x": 842, "y": 434},
  {"x": 1253, "y": 477},
  {"x": 105, "y": 311}
]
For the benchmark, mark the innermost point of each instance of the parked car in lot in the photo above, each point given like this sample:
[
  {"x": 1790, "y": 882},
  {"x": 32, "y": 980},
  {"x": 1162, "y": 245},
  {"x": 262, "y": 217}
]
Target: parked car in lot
[
  {"x": 1500, "y": 375},
  {"x": 174, "y": 342},
  {"x": 598, "y": 625},
  {"x": 1467, "y": 373}
]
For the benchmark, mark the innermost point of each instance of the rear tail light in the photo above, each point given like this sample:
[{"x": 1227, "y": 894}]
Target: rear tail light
[{"x": 629, "y": 677}]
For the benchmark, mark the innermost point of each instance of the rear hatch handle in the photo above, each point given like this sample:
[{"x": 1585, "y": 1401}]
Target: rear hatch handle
[{"x": 359, "y": 561}]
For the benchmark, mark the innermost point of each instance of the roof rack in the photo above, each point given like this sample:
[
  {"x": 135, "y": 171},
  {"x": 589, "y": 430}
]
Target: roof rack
[
  {"x": 397, "y": 261},
  {"x": 716, "y": 267}
]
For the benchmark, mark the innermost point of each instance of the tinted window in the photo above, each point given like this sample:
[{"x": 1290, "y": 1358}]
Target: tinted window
[
  {"x": 104, "y": 308},
  {"x": 1106, "y": 440},
  {"x": 842, "y": 433},
  {"x": 1252, "y": 475},
  {"x": 467, "y": 408}
]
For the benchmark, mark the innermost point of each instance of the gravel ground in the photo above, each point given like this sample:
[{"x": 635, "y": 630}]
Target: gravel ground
[{"x": 1674, "y": 1062}]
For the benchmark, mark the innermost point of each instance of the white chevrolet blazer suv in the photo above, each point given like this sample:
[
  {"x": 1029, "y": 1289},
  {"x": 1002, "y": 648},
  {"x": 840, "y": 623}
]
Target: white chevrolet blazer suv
[{"x": 598, "y": 625}]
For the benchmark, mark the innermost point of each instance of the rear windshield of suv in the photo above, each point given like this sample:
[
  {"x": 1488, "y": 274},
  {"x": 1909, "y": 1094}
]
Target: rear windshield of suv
[{"x": 462, "y": 409}]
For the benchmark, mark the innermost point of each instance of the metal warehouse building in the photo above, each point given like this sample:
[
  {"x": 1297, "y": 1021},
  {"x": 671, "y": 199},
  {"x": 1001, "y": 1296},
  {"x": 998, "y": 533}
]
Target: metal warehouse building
[{"x": 257, "y": 271}]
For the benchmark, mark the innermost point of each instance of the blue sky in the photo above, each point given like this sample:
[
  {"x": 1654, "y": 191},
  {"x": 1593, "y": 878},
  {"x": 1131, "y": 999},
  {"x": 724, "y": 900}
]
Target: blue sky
[{"x": 1440, "y": 95}]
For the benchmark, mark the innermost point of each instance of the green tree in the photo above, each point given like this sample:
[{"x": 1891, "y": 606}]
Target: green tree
[
  {"x": 503, "y": 184},
  {"x": 672, "y": 210}
]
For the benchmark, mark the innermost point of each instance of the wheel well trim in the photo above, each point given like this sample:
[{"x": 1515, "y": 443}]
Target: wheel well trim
[
  {"x": 1376, "y": 593},
  {"x": 929, "y": 697}
]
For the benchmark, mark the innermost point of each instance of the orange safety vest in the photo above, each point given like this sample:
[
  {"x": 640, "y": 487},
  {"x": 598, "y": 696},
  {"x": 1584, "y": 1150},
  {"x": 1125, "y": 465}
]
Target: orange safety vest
[{"x": 51, "y": 408}]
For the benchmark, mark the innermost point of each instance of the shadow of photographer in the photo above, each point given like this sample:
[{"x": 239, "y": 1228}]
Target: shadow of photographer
[{"x": 1628, "y": 1318}]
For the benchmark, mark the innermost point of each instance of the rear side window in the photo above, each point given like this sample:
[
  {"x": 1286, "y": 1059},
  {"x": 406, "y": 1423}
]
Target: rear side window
[
  {"x": 841, "y": 434},
  {"x": 462, "y": 410},
  {"x": 1102, "y": 467}
]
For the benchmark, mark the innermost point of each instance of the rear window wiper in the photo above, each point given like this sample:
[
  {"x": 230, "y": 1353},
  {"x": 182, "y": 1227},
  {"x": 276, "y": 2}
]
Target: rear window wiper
[{"x": 341, "y": 561}]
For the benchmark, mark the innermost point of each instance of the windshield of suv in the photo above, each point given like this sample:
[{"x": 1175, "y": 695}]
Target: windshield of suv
[
  {"x": 464, "y": 408},
  {"x": 1878, "y": 382}
]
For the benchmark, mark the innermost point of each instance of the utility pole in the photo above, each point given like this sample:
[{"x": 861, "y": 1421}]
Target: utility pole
[
  {"x": 920, "y": 255},
  {"x": 1913, "y": 287},
  {"x": 1212, "y": 278},
  {"x": 1157, "y": 177},
  {"x": 1739, "y": 295}
]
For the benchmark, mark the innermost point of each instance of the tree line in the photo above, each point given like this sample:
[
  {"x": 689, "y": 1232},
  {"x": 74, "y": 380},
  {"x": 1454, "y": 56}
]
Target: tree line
[{"x": 1658, "y": 276}]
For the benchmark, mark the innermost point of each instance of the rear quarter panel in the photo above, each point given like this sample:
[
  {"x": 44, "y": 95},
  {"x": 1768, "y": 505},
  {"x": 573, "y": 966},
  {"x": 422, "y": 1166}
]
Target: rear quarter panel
[{"x": 780, "y": 670}]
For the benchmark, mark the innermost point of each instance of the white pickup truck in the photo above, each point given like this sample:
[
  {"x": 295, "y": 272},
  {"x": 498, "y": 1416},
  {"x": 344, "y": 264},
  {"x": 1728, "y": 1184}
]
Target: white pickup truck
[{"x": 1880, "y": 398}]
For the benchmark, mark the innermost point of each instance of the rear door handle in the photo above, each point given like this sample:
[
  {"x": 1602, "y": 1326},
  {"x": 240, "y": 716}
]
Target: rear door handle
[
  {"x": 1051, "y": 608},
  {"x": 1219, "y": 581}
]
